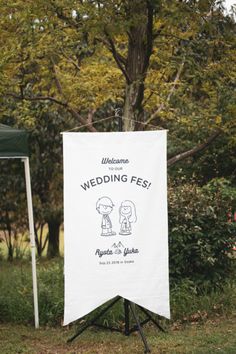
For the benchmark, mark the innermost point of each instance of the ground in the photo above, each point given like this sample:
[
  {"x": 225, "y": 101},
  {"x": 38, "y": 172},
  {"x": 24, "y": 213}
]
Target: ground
[{"x": 213, "y": 336}]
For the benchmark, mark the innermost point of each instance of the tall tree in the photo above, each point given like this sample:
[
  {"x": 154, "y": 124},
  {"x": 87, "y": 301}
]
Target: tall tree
[
  {"x": 81, "y": 55},
  {"x": 166, "y": 64}
]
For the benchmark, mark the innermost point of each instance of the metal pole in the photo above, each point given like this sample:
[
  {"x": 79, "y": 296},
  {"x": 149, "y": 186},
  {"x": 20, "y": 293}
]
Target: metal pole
[
  {"x": 152, "y": 319},
  {"x": 147, "y": 350},
  {"x": 92, "y": 321},
  {"x": 32, "y": 238}
]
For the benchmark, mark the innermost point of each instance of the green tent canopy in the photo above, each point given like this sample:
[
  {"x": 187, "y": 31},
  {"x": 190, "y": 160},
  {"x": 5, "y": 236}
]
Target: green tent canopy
[{"x": 13, "y": 142}]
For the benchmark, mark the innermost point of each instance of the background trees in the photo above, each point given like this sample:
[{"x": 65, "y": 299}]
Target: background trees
[
  {"x": 13, "y": 219},
  {"x": 164, "y": 64}
]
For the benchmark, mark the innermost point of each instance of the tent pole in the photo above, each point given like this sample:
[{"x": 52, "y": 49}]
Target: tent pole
[{"x": 32, "y": 238}]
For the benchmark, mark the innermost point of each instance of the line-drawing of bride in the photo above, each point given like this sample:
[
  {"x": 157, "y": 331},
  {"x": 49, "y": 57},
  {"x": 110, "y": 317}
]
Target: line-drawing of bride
[{"x": 128, "y": 216}]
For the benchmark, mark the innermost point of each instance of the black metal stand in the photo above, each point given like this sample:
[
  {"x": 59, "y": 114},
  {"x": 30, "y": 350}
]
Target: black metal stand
[{"x": 128, "y": 307}]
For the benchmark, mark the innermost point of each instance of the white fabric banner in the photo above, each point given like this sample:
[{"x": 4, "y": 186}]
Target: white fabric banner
[{"x": 115, "y": 221}]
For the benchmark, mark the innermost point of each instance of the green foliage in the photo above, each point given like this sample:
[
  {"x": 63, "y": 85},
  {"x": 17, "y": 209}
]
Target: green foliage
[
  {"x": 45, "y": 143},
  {"x": 201, "y": 238},
  {"x": 64, "y": 51},
  {"x": 15, "y": 295},
  {"x": 16, "y": 298},
  {"x": 13, "y": 207},
  {"x": 51, "y": 292},
  {"x": 188, "y": 304},
  {"x": 218, "y": 161},
  {"x": 66, "y": 63},
  {"x": 58, "y": 69}
]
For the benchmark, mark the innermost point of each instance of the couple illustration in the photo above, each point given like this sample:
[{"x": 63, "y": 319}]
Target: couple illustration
[{"x": 127, "y": 213}]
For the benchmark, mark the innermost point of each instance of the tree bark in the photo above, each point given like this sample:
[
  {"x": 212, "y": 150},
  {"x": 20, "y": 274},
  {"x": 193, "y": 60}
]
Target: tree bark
[
  {"x": 10, "y": 252},
  {"x": 133, "y": 110},
  {"x": 140, "y": 36},
  {"x": 40, "y": 243}
]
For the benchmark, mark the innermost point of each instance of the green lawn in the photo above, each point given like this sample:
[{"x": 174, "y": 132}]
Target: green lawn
[
  {"x": 209, "y": 319},
  {"x": 215, "y": 336}
]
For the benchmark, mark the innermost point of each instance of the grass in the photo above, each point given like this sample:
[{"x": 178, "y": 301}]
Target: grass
[
  {"x": 16, "y": 296},
  {"x": 16, "y": 305},
  {"x": 216, "y": 336},
  {"x": 201, "y": 323}
]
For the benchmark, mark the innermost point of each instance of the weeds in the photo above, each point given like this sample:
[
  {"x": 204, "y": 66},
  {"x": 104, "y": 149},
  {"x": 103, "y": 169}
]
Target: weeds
[{"x": 188, "y": 304}]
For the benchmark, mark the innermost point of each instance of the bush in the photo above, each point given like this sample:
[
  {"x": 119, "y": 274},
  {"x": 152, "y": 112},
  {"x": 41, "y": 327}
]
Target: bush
[{"x": 200, "y": 236}]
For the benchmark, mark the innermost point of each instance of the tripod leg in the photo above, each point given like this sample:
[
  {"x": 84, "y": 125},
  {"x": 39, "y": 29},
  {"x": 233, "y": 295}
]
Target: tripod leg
[
  {"x": 92, "y": 321},
  {"x": 78, "y": 333},
  {"x": 152, "y": 319},
  {"x": 147, "y": 350},
  {"x": 126, "y": 308}
]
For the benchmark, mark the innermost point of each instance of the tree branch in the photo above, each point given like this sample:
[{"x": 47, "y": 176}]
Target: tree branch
[
  {"x": 57, "y": 81},
  {"x": 116, "y": 56},
  {"x": 59, "y": 12},
  {"x": 163, "y": 105},
  {"x": 107, "y": 44},
  {"x": 149, "y": 34},
  {"x": 193, "y": 151},
  {"x": 82, "y": 120},
  {"x": 70, "y": 60},
  {"x": 90, "y": 116},
  {"x": 69, "y": 108}
]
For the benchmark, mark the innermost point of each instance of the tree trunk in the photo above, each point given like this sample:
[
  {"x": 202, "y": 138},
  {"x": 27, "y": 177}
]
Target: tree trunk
[
  {"x": 137, "y": 62},
  {"x": 8, "y": 235},
  {"x": 10, "y": 252},
  {"x": 53, "y": 237},
  {"x": 40, "y": 242},
  {"x": 133, "y": 110}
]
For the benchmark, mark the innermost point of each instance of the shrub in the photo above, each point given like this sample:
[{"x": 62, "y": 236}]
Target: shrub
[{"x": 200, "y": 236}]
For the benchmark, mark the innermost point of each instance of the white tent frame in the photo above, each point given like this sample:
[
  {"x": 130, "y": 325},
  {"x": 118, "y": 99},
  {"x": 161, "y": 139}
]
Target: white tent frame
[{"x": 25, "y": 159}]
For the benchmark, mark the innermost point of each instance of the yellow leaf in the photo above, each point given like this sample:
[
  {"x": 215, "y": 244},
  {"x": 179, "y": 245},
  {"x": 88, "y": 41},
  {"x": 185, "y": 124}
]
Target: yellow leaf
[{"x": 218, "y": 119}]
